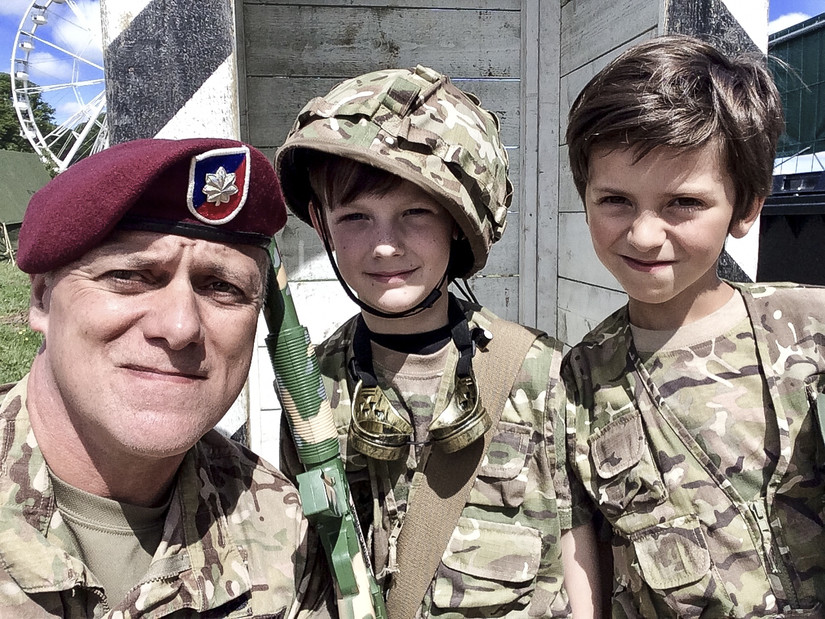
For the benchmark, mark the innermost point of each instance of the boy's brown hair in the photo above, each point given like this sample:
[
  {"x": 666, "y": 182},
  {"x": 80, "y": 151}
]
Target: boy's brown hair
[{"x": 681, "y": 93}]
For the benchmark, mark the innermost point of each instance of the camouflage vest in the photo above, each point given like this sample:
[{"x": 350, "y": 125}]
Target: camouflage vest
[
  {"x": 504, "y": 558},
  {"x": 685, "y": 543}
]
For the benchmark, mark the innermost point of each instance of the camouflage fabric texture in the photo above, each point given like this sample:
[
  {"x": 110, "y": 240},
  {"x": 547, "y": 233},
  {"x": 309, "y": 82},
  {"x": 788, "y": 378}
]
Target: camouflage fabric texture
[
  {"x": 504, "y": 557},
  {"x": 235, "y": 543},
  {"x": 685, "y": 541},
  {"x": 417, "y": 124}
]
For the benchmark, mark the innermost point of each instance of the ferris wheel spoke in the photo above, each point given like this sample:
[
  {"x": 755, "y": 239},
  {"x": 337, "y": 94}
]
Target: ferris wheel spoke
[
  {"x": 32, "y": 89},
  {"x": 65, "y": 51}
]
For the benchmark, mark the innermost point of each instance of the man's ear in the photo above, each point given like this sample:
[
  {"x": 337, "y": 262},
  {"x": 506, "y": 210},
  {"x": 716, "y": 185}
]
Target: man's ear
[
  {"x": 316, "y": 217},
  {"x": 39, "y": 302},
  {"x": 740, "y": 228}
]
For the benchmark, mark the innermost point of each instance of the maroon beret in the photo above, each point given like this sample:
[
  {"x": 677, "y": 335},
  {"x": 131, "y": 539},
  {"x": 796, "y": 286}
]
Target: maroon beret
[{"x": 216, "y": 189}]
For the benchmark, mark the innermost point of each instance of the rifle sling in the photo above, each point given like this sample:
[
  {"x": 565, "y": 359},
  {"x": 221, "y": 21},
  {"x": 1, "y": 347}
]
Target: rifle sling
[{"x": 441, "y": 490}]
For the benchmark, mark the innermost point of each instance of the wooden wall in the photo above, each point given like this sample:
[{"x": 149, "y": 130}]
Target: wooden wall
[{"x": 593, "y": 32}]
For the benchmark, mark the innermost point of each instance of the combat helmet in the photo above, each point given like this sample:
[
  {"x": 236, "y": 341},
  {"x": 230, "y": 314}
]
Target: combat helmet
[{"x": 416, "y": 124}]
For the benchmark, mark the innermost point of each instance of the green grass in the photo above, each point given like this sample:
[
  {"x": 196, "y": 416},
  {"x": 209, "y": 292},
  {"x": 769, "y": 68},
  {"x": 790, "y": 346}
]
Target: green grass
[{"x": 18, "y": 343}]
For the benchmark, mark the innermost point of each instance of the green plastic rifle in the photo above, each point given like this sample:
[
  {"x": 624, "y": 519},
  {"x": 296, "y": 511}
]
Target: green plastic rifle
[{"x": 323, "y": 486}]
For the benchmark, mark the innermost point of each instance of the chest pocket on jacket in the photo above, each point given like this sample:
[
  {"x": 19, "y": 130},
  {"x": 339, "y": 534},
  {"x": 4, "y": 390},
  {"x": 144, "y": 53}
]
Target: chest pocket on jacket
[
  {"x": 502, "y": 477},
  {"x": 625, "y": 472},
  {"x": 487, "y": 564}
]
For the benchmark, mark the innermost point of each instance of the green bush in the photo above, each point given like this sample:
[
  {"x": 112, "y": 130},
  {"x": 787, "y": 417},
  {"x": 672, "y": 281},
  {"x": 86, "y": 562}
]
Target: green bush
[{"x": 18, "y": 343}]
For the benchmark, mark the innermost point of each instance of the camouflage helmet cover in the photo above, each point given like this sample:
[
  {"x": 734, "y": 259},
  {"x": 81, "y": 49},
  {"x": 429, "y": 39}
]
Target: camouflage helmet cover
[{"x": 416, "y": 124}]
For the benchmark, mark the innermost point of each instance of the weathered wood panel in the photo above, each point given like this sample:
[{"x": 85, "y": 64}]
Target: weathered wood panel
[
  {"x": 569, "y": 200},
  {"x": 344, "y": 41},
  {"x": 592, "y": 28},
  {"x": 499, "y": 5},
  {"x": 499, "y": 294},
  {"x": 273, "y": 104},
  {"x": 582, "y": 307},
  {"x": 577, "y": 258},
  {"x": 572, "y": 83}
]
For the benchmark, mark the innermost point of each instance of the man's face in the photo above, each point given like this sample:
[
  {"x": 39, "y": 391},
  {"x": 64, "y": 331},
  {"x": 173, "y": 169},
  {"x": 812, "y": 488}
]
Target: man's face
[
  {"x": 659, "y": 225},
  {"x": 148, "y": 338}
]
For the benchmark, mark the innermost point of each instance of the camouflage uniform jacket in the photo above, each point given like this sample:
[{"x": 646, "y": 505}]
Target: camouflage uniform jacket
[
  {"x": 685, "y": 543},
  {"x": 504, "y": 558},
  {"x": 234, "y": 542}
]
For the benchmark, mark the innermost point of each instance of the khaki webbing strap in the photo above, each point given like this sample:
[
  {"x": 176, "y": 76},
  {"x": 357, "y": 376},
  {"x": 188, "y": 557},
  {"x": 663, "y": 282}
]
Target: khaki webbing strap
[{"x": 441, "y": 490}]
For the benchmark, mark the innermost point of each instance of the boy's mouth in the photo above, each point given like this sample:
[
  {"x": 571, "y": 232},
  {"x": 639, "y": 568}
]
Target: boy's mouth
[
  {"x": 389, "y": 277},
  {"x": 646, "y": 266}
]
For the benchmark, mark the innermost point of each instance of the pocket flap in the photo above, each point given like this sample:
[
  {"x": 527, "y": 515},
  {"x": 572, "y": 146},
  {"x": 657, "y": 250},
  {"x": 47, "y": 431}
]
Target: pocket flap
[
  {"x": 507, "y": 453},
  {"x": 494, "y": 551},
  {"x": 618, "y": 446},
  {"x": 673, "y": 554}
]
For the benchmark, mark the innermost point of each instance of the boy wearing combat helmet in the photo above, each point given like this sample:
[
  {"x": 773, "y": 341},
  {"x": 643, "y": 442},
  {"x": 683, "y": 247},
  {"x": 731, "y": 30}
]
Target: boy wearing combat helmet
[
  {"x": 692, "y": 416},
  {"x": 404, "y": 178}
]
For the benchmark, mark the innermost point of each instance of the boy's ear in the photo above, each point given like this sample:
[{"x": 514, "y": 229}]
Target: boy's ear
[
  {"x": 315, "y": 217},
  {"x": 39, "y": 303},
  {"x": 740, "y": 228}
]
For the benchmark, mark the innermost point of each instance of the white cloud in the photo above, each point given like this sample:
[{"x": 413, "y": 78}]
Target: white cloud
[
  {"x": 786, "y": 21},
  {"x": 14, "y": 7},
  {"x": 45, "y": 68}
]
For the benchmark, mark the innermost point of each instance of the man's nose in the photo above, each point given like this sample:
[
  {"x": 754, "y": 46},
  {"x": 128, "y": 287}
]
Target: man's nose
[{"x": 175, "y": 316}]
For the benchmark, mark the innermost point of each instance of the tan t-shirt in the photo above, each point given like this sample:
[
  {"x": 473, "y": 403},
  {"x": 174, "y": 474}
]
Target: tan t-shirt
[{"x": 115, "y": 540}]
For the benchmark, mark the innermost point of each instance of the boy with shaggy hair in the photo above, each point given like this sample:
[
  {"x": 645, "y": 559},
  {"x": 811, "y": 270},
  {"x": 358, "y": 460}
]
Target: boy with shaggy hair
[{"x": 692, "y": 410}]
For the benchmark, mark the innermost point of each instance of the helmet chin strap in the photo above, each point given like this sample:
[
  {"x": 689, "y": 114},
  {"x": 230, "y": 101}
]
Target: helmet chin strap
[{"x": 419, "y": 307}]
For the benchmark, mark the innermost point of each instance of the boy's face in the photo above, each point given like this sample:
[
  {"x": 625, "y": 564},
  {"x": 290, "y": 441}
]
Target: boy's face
[
  {"x": 659, "y": 226},
  {"x": 392, "y": 249}
]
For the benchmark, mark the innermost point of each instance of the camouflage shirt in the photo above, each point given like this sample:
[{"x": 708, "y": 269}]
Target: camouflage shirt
[
  {"x": 234, "y": 543},
  {"x": 504, "y": 557},
  {"x": 687, "y": 542}
]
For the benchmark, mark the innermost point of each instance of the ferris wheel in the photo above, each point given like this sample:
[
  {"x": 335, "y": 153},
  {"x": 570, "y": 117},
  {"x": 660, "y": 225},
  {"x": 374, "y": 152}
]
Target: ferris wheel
[{"x": 57, "y": 57}]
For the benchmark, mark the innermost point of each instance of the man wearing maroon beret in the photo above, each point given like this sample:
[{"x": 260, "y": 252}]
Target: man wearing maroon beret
[{"x": 147, "y": 263}]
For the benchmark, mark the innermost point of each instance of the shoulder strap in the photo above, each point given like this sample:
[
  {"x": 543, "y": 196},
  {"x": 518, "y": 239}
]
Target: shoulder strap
[{"x": 444, "y": 485}]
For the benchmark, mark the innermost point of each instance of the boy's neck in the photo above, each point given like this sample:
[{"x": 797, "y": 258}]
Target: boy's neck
[
  {"x": 687, "y": 307},
  {"x": 429, "y": 319}
]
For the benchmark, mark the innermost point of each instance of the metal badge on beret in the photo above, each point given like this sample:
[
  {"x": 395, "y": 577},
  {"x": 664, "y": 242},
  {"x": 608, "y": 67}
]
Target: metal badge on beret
[{"x": 218, "y": 182}]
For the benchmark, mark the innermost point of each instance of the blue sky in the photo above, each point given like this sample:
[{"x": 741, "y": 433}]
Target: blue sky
[
  {"x": 786, "y": 13},
  {"x": 51, "y": 66}
]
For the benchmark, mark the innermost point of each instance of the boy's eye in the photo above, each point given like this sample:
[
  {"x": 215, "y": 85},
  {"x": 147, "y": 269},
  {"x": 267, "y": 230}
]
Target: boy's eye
[
  {"x": 418, "y": 211},
  {"x": 344, "y": 217},
  {"x": 687, "y": 202},
  {"x": 613, "y": 200}
]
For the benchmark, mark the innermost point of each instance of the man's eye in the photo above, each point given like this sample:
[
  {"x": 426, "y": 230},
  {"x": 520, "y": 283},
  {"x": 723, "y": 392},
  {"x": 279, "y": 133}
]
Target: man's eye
[
  {"x": 221, "y": 286},
  {"x": 125, "y": 275}
]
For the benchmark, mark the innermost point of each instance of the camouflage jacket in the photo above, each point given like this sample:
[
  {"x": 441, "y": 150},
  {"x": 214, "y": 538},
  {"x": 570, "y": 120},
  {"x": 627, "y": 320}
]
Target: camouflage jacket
[
  {"x": 234, "y": 543},
  {"x": 685, "y": 543},
  {"x": 504, "y": 558}
]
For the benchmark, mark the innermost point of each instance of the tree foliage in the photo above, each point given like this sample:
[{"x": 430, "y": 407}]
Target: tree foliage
[{"x": 11, "y": 137}]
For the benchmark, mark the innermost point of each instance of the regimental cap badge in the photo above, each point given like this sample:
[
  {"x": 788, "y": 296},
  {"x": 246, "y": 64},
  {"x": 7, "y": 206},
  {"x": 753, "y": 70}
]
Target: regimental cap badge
[{"x": 218, "y": 184}]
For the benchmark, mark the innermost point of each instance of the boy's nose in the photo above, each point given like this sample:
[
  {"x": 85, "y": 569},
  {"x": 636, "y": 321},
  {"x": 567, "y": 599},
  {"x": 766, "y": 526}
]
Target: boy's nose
[
  {"x": 646, "y": 232},
  {"x": 387, "y": 243}
]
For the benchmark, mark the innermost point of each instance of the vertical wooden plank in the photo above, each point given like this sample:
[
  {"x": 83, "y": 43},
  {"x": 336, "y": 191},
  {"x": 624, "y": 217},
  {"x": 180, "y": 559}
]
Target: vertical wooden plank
[
  {"x": 548, "y": 172},
  {"x": 529, "y": 199}
]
